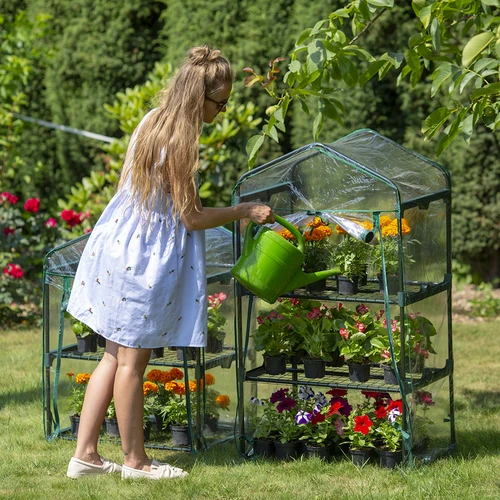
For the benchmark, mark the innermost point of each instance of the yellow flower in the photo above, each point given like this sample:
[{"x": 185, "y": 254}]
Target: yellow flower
[
  {"x": 318, "y": 233},
  {"x": 192, "y": 386},
  {"x": 82, "y": 378},
  {"x": 339, "y": 229},
  {"x": 285, "y": 233},
  {"x": 222, "y": 401},
  {"x": 149, "y": 387},
  {"x": 316, "y": 222}
]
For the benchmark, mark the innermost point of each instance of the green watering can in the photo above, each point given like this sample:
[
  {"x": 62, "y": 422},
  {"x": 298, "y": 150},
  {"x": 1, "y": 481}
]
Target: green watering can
[{"x": 270, "y": 266}]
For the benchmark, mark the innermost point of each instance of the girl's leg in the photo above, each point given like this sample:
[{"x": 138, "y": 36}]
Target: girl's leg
[
  {"x": 97, "y": 398},
  {"x": 129, "y": 404}
]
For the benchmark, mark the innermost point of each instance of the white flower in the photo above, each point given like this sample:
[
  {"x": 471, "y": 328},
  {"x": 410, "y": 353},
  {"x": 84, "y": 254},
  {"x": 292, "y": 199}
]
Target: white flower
[
  {"x": 305, "y": 393},
  {"x": 393, "y": 414}
]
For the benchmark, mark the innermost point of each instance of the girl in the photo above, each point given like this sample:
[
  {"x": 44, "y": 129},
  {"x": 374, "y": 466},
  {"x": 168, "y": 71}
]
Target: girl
[{"x": 141, "y": 279}]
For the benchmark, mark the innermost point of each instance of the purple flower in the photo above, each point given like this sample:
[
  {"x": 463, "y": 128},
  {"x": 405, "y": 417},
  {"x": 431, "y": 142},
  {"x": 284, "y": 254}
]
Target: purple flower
[
  {"x": 305, "y": 393},
  {"x": 285, "y": 404},
  {"x": 345, "y": 409},
  {"x": 278, "y": 395},
  {"x": 302, "y": 417}
]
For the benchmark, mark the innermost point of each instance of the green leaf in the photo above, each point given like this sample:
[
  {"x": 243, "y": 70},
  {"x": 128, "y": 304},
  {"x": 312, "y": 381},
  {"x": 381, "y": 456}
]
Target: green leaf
[
  {"x": 436, "y": 34},
  {"x": 492, "y": 88},
  {"x": 491, "y": 3},
  {"x": 440, "y": 75},
  {"x": 433, "y": 123},
  {"x": 467, "y": 78},
  {"x": 467, "y": 128},
  {"x": 371, "y": 71},
  {"x": 252, "y": 148},
  {"x": 448, "y": 138},
  {"x": 294, "y": 66},
  {"x": 317, "y": 27},
  {"x": 317, "y": 126},
  {"x": 381, "y": 3},
  {"x": 303, "y": 37},
  {"x": 329, "y": 110},
  {"x": 273, "y": 133},
  {"x": 425, "y": 16},
  {"x": 475, "y": 46},
  {"x": 497, "y": 48}
]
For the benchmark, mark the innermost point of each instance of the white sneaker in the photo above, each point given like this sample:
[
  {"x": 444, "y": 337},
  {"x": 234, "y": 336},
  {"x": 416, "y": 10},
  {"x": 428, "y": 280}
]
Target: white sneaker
[
  {"x": 78, "y": 468},
  {"x": 158, "y": 471}
]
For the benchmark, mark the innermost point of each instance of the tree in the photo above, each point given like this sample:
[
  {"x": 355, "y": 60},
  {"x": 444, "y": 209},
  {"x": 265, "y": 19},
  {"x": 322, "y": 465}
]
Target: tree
[{"x": 331, "y": 55}]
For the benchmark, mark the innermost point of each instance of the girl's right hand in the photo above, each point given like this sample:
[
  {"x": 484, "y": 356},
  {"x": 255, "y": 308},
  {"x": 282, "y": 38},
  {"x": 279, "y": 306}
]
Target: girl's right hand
[{"x": 259, "y": 213}]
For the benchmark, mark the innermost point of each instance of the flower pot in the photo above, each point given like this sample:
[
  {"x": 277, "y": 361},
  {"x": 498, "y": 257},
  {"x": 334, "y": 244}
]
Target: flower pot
[
  {"x": 359, "y": 372},
  {"x": 389, "y": 375},
  {"x": 392, "y": 283},
  {"x": 389, "y": 459},
  {"x": 275, "y": 365},
  {"x": 86, "y": 344},
  {"x": 297, "y": 358},
  {"x": 263, "y": 447},
  {"x": 214, "y": 345},
  {"x": 112, "y": 427},
  {"x": 347, "y": 286},
  {"x": 159, "y": 423},
  {"x": 101, "y": 341},
  {"x": 314, "y": 367},
  {"x": 147, "y": 430},
  {"x": 317, "y": 286},
  {"x": 322, "y": 452},
  {"x": 212, "y": 422},
  {"x": 337, "y": 360},
  {"x": 75, "y": 422},
  {"x": 190, "y": 353},
  {"x": 157, "y": 352},
  {"x": 180, "y": 435},
  {"x": 361, "y": 457},
  {"x": 286, "y": 451}
]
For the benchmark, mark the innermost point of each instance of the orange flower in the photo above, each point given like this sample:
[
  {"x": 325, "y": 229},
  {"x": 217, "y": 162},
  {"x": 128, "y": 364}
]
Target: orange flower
[
  {"x": 82, "y": 378},
  {"x": 222, "y": 401},
  {"x": 391, "y": 228},
  {"x": 165, "y": 377},
  {"x": 153, "y": 375},
  {"x": 385, "y": 220},
  {"x": 316, "y": 222},
  {"x": 177, "y": 374},
  {"x": 171, "y": 386},
  {"x": 287, "y": 234},
  {"x": 340, "y": 230},
  {"x": 180, "y": 389},
  {"x": 70, "y": 375},
  {"x": 192, "y": 386},
  {"x": 149, "y": 387},
  {"x": 209, "y": 379},
  {"x": 367, "y": 224},
  {"x": 318, "y": 233}
]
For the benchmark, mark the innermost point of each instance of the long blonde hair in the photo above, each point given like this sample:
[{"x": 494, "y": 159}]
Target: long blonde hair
[{"x": 163, "y": 153}]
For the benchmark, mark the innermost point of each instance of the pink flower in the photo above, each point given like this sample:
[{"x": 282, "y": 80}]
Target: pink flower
[
  {"x": 380, "y": 314},
  {"x": 50, "y": 222},
  {"x": 14, "y": 271},
  {"x": 220, "y": 296},
  {"x": 72, "y": 218},
  {"x": 315, "y": 313},
  {"x": 339, "y": 427},
  {"x": 260, "y": 320},
  {"x": 362, "y": 309},
  {"x": 361, "y": 327},
  {"x": 32, "y": 205},
  {"x": 294, "y": 302},
  {"x": 11, "y": 198},
  {"x": 344, "y": 333},
  {"x": 386, "y": 354}
]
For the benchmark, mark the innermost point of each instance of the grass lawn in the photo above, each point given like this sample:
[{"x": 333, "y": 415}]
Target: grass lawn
[{"x": 32, "y": 468}]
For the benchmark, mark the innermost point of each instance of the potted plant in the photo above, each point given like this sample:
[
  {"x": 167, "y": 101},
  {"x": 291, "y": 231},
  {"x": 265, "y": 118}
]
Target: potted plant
[
  {"x": 275, "y": 336},
  {"x": 150, "y": 391},
  {"x": 359, "y": 433},
  {"x": 174, "y": 413},
  {"x": 86, "y": 338},
  {"x": 359, "y": 333},
  {"x": 75, "y": 399},
  {"x": 262, "y": 418},
  {"x": 216, "y": 320},
  {"x": 388, "y": 427},
  {"x": 421, "y": 403},
  {"x": 317, "y": 247},
  {"x": 314, "y": 324},
  {"x": 351, "y": 256},
  {"x": 387, "y": 252}
]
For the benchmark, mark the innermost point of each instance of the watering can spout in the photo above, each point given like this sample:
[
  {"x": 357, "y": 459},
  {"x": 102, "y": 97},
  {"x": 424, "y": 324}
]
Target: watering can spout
[{"x": 302, "y": 279}]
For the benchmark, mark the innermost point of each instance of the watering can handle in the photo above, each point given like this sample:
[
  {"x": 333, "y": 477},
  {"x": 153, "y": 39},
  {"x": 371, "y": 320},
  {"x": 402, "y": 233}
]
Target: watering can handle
[{"x": 248, "y": 242}]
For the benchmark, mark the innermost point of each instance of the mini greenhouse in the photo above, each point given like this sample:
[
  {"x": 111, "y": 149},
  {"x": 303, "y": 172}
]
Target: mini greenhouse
[
  {"x": 362, "y": 182},
  {"x": 210, "y": 376}
]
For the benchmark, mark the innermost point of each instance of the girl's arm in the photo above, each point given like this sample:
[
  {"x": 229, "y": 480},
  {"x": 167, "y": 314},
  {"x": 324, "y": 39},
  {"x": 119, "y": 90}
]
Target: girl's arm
[{"x": 198, "y": 217}]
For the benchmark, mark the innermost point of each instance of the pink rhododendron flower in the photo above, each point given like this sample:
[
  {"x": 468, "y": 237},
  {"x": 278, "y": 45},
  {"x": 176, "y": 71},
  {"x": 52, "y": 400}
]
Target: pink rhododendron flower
[
  {"x": 50, "y": 222},
  {"x": 344, "y": 333},
  {"x": 361, "y": 327},
  {"x": 386, "y": 354},
  {"x": 11, "y": 198},
  {"x": 13, "y": 270}
]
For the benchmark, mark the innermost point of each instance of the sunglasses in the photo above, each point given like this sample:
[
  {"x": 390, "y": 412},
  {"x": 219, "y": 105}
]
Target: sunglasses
[{"x": 221, "y": 104}]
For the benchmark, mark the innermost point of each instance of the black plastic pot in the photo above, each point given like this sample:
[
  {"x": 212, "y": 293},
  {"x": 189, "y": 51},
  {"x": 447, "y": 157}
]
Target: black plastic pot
[
  {"x": 314, "y": 367},
  {"x": 358, "y": 372},
  {"x": 347, "y": 286},
  {"x": 275, "y": 365}
]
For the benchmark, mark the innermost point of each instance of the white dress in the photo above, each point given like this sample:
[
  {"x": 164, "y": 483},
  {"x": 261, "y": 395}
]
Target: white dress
[{"x": 142, "y": 284}]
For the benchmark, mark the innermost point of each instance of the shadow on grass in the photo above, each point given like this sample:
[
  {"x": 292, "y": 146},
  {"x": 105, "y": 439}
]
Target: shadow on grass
[
  {"x": 487, "y": 401},
  {"x": 20, "y": 397}
]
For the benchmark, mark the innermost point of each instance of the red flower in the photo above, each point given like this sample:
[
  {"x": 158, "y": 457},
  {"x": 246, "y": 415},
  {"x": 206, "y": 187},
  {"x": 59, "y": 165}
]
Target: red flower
[
  {"x": 11, "y": 198},
  {"x": 72, "y": 218},
  {"x": 13, "y": 270},
  {"x": 362, "y": 423},
  {"x": 361, "y": 327},
  {"x": 344, "y": 333},
  {"x": 337, "y": 393},
  {"x": 32, "y": 205},
  {"x": 317, "y": 417},
  {"x": 335, "y": 408},
  {"x": 362, "y": 309},
  {"x": 395, "y": 405},
  {"x": 8, "y": 230},
  {"x": 381, "y": 412},
  {"x": 285, "y": 404}
]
